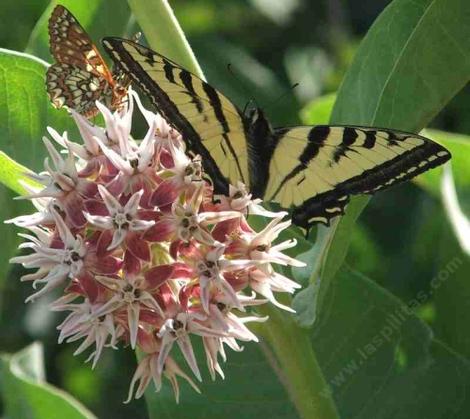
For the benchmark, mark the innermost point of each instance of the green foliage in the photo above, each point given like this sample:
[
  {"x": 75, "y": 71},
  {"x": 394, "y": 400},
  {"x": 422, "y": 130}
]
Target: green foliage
[
  {"x": 400, "y": 77},
  {"x": 12, "y": 174},
  {"x": 385, "y": 71},
  {"x": 250, "y": 382},
  {"x": 27, "y": 395},
  {"x": 166, "y": 37},
  {"x": 381, "y": 361}
]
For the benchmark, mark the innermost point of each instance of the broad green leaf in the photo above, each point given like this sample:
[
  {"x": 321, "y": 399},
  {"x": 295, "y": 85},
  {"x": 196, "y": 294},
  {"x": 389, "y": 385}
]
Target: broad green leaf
[
  {"x": 400, "y": 76},
  {"x": 25, "y": 393},
  {"x": 399, "y": 80},
  {"x": 381, "y": 361},
  {"x": 99, "y": 17},
  {"x": 250, "y": 389},
  {"x": 163, "y": 32}
]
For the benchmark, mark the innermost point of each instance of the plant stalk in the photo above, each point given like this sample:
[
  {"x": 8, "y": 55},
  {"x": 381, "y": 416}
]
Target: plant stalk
[{"x": 300, "y": 372}]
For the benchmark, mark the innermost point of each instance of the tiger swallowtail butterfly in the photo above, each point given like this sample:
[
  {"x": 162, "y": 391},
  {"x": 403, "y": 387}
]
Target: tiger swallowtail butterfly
[{"x": 312, "y": 169}]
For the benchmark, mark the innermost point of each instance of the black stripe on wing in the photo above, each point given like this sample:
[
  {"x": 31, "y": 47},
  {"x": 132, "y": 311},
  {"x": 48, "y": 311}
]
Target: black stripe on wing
[
  {"x": 316, "y": 139},
  {"x": 162, "y": 101},
  {"x": 325, "y": 206},
  {"x": 214, "y": 100}
]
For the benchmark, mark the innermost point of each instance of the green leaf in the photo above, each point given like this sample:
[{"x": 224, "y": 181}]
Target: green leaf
[
  {"x": 99, "y": 18},
  {"x": 25, "y": 109},
  {"x": 249, "y": 389},
  {"x": 381, "y": 361},
  {"x": 399, "y": 80},
  {"x": 400, "y": 76},
  {"x": 163, "y": 32},
  {"x": 26, "y": 395}
]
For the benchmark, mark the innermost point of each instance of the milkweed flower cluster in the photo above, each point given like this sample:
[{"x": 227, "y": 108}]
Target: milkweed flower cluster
[{"x": 143, "y": 251}]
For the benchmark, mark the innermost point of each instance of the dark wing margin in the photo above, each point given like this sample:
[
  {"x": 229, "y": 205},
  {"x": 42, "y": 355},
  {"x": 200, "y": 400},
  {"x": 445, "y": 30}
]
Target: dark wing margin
[
  {"x": 210, "y": 124},
  {"x": 316, "y": 169}
]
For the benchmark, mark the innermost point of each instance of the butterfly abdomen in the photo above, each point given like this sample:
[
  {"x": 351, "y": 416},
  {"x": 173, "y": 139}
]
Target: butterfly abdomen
[{"x": 261, "y": 143}]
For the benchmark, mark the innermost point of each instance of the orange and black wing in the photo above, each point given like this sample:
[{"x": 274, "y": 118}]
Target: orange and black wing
[{"x": 80, "y": 76}]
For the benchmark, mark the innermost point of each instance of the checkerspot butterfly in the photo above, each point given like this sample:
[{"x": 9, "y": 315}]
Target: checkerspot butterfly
[{"x": 80, "y": 76}]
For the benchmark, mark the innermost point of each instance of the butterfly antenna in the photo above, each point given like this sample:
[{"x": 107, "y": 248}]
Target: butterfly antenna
[
  {"x": 243, "y": 87},
  {"x": 283, "y": 95}
]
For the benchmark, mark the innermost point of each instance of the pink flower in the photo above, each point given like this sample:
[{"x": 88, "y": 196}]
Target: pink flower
[
  {"x": 210, "y": 268},
  {"x": 55, "y": 264},
  {"x": 59, "y": 258},
  {"x": 64, "y": 184},
  {"x": 123, "y": 220},
  {"x": 145, "y": 253},
  {"x": 177, "y": 329},
  {"x": 82, "y": 323},
  {"x": 187, "y": 222},
  {"x": 148, "y": 370},
  {"x": 134, "y": 293},
  {"x": 183, "y": 175},
  {"x": 134, "y": 164},
  {"x": 240, "y": 200}
]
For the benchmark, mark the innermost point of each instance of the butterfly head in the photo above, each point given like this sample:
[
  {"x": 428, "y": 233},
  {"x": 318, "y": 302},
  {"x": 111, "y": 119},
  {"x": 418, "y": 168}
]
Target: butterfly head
[{"x": 259, "y": 125}]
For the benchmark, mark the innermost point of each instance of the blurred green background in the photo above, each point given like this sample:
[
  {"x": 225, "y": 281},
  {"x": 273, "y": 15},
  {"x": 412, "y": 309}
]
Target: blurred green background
[{"x": 403, "y": 237}]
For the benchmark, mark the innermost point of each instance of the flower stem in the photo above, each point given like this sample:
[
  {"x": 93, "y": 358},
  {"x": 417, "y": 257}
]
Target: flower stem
[
  {"x": 163, "y": 32},
  {"x": 301, "y": 373}
]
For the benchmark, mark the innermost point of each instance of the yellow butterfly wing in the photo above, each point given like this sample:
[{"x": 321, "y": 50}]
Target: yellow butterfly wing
[
  {"x": 313, "y": 169},
  {"x": 316, "y": 169},
  {"x": 198, "y": 111}
]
